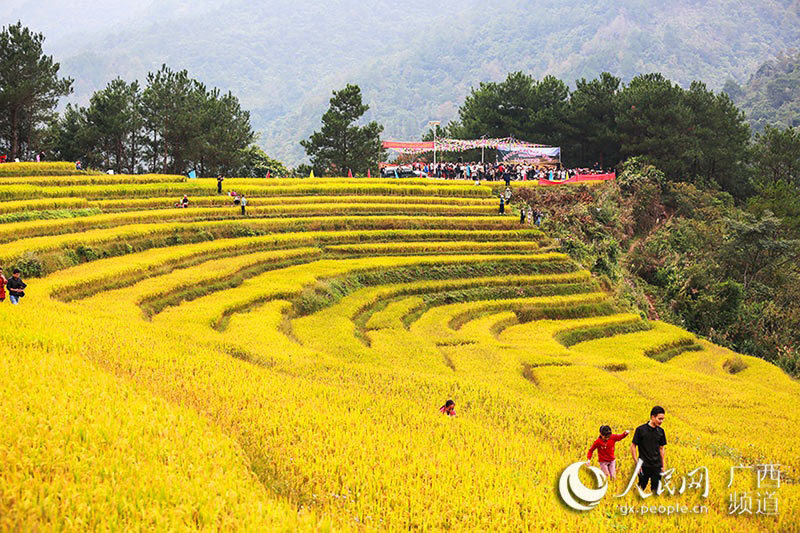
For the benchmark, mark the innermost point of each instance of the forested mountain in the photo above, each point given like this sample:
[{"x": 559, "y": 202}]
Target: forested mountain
[
  {"x": 771, "y": 95},
  {"x": 283, "y": 59}
]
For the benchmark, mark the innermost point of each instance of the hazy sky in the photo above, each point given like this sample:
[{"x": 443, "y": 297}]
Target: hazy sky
[{"x": 62, "y": 19}]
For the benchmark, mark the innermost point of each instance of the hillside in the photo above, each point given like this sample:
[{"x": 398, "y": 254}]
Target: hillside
[
  {"x": 771, "y": 96},
  {"x": 283, "y": 60},
  {"x": 196, "y": 368}
]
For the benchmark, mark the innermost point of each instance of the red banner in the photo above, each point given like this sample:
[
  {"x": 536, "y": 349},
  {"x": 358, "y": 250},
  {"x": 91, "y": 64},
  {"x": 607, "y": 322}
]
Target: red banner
[
  {"x": 581, "y": 177},
  {"x": 396, "y": 145}
]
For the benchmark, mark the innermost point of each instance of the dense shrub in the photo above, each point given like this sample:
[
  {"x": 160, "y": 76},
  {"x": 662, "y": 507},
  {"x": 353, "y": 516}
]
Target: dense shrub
[{"x": 687, "y": 254}]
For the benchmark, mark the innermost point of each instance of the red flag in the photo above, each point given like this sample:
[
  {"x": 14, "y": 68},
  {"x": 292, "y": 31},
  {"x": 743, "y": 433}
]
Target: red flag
[
  {"x": 267, "y": 174},
  {"x": 349, "y": 173},
  {"x": 368, "y": 174}
]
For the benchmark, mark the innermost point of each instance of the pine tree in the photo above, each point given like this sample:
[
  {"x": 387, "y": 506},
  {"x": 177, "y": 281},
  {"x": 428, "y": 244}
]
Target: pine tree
[
  {"x": 113, "y": 124},
  {"x": 29, "y": 88},
  {"x": 341, "y": 144}
]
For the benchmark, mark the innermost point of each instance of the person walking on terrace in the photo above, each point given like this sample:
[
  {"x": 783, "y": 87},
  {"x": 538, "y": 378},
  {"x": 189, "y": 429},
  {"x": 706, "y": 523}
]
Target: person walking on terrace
[
  {"x": 16, "y": 287},
  {"x": 604, "y": 445},
  {"x": 243, "y": 203},
  {"x": 650, "y": 440}
]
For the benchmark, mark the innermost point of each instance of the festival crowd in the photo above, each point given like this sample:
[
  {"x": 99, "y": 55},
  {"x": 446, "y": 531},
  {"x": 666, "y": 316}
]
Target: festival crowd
[{"x": 500, "y": 171}]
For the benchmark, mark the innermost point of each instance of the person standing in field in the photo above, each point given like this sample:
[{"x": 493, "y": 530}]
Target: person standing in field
[
  {"x": 3, "y": 282},
  {"x": 651, "y": 440},
  {"x": 449, "y": 408},
  {"x": 502, "y": 205},
  {"x": 219, "y": 184},
  {"x": 16, "y": 287},
  {"x": 243, "y": 203},
  {"x": 604, "y": 445},
  {"x": 522, "y": 215}
]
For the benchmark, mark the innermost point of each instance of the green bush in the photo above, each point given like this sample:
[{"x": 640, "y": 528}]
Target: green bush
[
  {"x": 789, "y": 360},
  {"x": 30, "y": 265}
]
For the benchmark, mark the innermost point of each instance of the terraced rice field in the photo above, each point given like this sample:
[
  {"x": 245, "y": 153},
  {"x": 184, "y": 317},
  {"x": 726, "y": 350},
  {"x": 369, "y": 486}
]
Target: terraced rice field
[{"x": 195, "y": 368}]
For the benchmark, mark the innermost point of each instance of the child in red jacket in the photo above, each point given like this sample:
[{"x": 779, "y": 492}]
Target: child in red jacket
[{"x": 605, "y": 450}]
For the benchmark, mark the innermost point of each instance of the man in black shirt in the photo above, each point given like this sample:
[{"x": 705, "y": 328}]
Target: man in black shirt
[
  {"x": 650, "y": 439},
  {"x": 16, "y": 287}
]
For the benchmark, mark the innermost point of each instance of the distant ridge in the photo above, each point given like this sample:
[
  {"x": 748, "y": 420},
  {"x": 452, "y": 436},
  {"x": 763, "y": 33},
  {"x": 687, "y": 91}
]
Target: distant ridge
[{"x": 284, "y": 60}]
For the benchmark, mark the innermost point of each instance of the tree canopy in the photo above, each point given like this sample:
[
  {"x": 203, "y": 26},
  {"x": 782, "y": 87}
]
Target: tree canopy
[
  {"x": 776, "y": 156},
  {"x": 172, "y": 125},
  {"x": 691, "y": 134},
  {"x": 341, "y": 145},
  {"x": 29, "y": 89}
]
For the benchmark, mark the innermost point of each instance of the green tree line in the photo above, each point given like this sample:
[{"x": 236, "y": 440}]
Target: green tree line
[
  {"x": 171, "y": 124},
  {"x": 691, "y": 134}
]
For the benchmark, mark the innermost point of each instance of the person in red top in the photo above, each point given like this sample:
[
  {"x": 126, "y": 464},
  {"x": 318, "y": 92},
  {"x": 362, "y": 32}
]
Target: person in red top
[
  {"x": 605, "y": 450},
  {"x": 3, "y": 281},
  {"x": 449, "y": 408}
]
